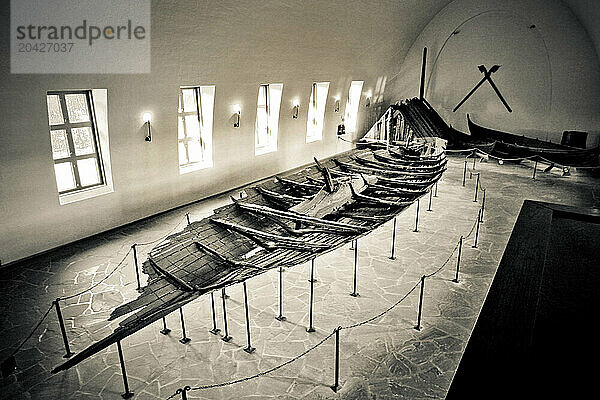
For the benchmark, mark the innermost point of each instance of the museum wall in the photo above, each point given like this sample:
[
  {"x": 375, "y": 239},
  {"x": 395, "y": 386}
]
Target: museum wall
[
  {"x": 549, "y": 74},
  {"x": 233, "y": 45}
]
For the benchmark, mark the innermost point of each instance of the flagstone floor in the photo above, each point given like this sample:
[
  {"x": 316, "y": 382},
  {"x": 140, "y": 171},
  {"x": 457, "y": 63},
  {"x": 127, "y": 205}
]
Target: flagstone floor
[{"x": 386, "y": 358}]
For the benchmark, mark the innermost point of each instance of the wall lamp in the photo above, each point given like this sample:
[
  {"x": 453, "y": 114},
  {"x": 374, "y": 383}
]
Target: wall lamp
[
  {"x": 237, "y": 112},
  {"x": 295, "y": 108},
  {"x": 336, "y": 106},
  {"x": 368, "y": 103},
  {"x": 147, "y": 118}
]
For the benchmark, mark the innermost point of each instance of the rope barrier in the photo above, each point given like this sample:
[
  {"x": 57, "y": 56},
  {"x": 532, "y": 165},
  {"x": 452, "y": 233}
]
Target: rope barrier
[
  {"x": 32, "y": 331},
  {"x": 471, "y": 231},
  {"x": 216, "y": 385},
  {"x": 121, "y": 263},
  {"x": 355, "y": 325},
  {"x": 100, "y": 281},
  {"x": 164, "y": 236},
  {"x": 444, "y": 264},
  {"x": 385, "y": 311},
  {"x": 222, "y": 384}
]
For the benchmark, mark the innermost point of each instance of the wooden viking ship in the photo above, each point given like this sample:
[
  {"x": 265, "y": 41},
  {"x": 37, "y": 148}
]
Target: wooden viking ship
[
  {"x": 281, "y": 222},
  {"x": 518, "y": 146}
]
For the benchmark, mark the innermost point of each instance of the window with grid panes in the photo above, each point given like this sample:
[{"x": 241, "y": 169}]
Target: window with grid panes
[
  {"x": 195, "y": 119},
  {"x": 74, "y": 139}
]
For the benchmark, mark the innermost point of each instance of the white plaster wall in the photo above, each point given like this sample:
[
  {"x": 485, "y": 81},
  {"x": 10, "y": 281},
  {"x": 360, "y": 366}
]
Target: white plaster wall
[
  {"x": 549, "y": 75},
  {"x": 235, "y": 45}
]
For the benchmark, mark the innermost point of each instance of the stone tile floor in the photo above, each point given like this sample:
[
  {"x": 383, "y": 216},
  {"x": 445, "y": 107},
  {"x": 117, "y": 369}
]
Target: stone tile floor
[{"x": 384, "y": 359}]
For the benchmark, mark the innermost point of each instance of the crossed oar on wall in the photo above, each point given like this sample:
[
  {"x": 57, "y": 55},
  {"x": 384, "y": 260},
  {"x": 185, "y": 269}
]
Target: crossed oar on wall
[{"x": 487, "y": 76}]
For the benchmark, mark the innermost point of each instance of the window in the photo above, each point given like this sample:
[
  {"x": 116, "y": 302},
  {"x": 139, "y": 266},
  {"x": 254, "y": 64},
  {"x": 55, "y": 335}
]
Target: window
[
  {"x": 74, "y": 140},
  {"x": 316, "y": 111},
  {"x": 351, "y": 113},
  {"x": 267, "y": 118},
  {"x": 195, "y": 115}
]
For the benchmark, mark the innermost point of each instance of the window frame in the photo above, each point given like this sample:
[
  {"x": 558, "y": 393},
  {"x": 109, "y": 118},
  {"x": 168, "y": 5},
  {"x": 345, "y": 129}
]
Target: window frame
[
  {"x": 313, "y": 107},
  {"x": 207, "y": 156},
  {"x": 67, "y": 126},
  {"x": 353, "y": 106},
  {"x": 272, "y": 131}
]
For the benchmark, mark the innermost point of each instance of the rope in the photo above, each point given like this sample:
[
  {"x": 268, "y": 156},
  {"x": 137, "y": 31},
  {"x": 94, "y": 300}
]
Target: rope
[
  {"x": 186, "y": 389},
  {"x": 120, "y": 263},
  {"x": 32, "y": 331},
  {"x": 471, "y": 231},
  {"x": 215, "y": 385},
  {"x": 444, "y": 264},
  {"x": 385, "y": 311},
  {"x": 99, "y": 282},
  {"x": 164, "y": 236},
  {"x": 355, "y": 325}
]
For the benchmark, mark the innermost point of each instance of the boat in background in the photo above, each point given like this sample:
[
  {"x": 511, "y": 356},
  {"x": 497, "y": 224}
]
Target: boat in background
[{"x": 521, "y": 147}]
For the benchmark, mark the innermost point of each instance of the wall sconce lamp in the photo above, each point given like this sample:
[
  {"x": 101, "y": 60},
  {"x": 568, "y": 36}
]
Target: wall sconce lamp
[
  {"x": 237, "y": 112},
  {"x": 147, "y": 118},
  {"x": 336, "y": 106},
  {"x": 295, "y": 109},
  {"x": 368, "y": 103}
]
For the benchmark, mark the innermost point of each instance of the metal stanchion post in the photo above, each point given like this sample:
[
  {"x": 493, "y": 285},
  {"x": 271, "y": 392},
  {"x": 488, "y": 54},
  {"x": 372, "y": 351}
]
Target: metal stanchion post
[
  {"x": 280, "y": 317},
  {"x": 430, "y": 199},
  {"x": 187, "y": 216},
  {"x": 460, "y": 243},
  {"x": 336, "y": 382},
  {"x": 392, "y": 255},
  {"x": 165, "y": 330},
  {"x": 476, "y": 188},
  {"x": 435, "y": 193},
  {"x": 63, "y": 331},
  {"x": 223, "y": 294},
  {"x": 418, "y": 326},
  {"x": 477, "y": 230},
  {"x": 464, "y": 174},
  {"x": 128, "y": 394},
  {"x": 137, "y": 269},
  {"x": 214, "y": 330},
  {"x": 184, "y": 339},
  {"x": 249, "y": 349},
  {"x": 534, "y": 169},
  {"x": 225, "y": 338},
  {"x": 482, "y": 205},
  {"x": 355, "y": 281},
  {"x": 474, "y": 156},
  {"x": 311, "y": 328},
  {"x": 417, "y": 217}
]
